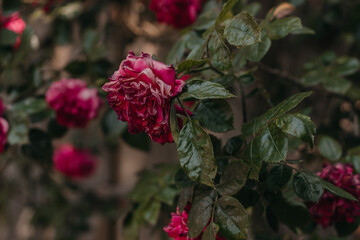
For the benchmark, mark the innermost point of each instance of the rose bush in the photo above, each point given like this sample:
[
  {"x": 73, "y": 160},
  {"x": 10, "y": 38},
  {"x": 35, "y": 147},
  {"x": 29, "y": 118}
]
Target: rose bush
[
  {"x": 74, "y": 163},
  {"x": 75, "y": 104},
  {"x": 178, "y": 13},
  {"x": 140, "y": 92},
  {"x": 331, "y": 208},
  {"x": 4, "y": 127}
]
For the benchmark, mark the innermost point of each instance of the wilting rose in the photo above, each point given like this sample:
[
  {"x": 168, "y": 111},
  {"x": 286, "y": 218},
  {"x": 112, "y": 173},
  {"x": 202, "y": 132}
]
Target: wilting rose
[
  {"x": 333, "y": 209},
  {"x": 75, "y": 104},
  {"x": 140, "y": 92},
  {"x": 4, "y": 128},
  {"x": 178, "y": 228},
  {"x": 178, "y": 13},
  {"x": 74, "y": 163},
  {"x": 15, "y": 24}
]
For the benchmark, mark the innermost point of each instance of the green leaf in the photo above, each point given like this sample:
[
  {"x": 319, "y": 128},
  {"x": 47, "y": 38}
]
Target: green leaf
[
  {"x": 233, "y": 178},
  {"x": 233, "y": 145},
  {"x": 220, "y": 55},
  {"x": 308, "y": 187},
  {"x": 337, "y": 191},
  {"x": 182, "y": 180},
  {"x": 167, "y": 195},
  {"x": 92, "y": 46},
  {"x": 259, "y": 122},
  {"x": 278, "y": 177},
  {"x": 139, "y": 141},
  {"x": 242, "y": 30},
  {"x": 200, "y": 214},
  {"x": 200, "y": 89},
  {"x": 148, "y": 211},
  {"x": 299, "y": 126},
  {"x": 215, "y": 115},
  {"x": 292, "y": 214},
  {"x": 189, "y": 64},
  {"x": 177, "y": 50},
  {"x": 337, "y": 84},
  {"x": 271, "y": 145},
  {"x": 346, "y": 66},
  {"x": 31, "y": 106},
  {"x": 282, "y": 27},
  {"x": 329, "y": 148},
  {"x": 304, "y": 30},
  {"x": 7, "y": 37},
  {"x": 252, "y": 8},
  {"x": 210, "y": 232},
  {"x": 257, "y": 51},
  {"x": 19, "y": 128},
  {"x": 232, "y": 218},
  {"x": 226, "y": 8},
  {"x": 196, "y": 155},
  {"x": 184, "y": 198}
]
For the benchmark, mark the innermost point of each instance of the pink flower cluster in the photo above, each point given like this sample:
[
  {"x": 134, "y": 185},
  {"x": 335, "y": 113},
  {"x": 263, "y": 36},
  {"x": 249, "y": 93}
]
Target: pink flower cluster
[
  {"x": 140, "y": 92},
  {"x": 4, "y": 128},
  {"x": 332, "y": 209},
  {"x": 178, "y": 13},
  {"x": 75, "y": 104},
  {"x": 15, "y": 24},
  {"x": 74, "y": 163},
  {"x": 178, "y": 228}
]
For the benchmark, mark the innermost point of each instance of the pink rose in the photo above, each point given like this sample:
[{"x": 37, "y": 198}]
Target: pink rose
[
  {"x": 178, "y": 13},
  {"x": 140, "y": 92},
  {"x": 75, "y": 104},
  {"x": 178, "y": 228},
  {"x": 332, "y": 209},
  {"x": 15, "y": 24},
  {"x": 74, "y": 163}
]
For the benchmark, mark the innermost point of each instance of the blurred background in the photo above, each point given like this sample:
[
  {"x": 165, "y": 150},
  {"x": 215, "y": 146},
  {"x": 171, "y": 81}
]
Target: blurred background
[{"x": 88, "y": 39}]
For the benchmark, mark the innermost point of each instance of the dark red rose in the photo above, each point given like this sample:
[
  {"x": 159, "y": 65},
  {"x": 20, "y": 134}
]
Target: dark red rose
[
  {"x": 15, "y": 24},
  {"x": 178, "y": 13},
  {"x": 140, "y": 92},
  {"x": 332, "y": 209},
  {"x": 178, "y": 228},
  {"x": 75, "y": 104},
  {"x": 74, "y": 163}
]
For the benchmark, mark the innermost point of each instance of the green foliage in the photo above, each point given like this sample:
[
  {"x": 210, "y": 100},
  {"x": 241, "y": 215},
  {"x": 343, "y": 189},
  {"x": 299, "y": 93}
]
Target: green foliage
[
  {"x": 258, "y": 123},
  {"x": 278, "y": 177},
  {"x": 330, "y": 71},
  {"x": 232, "y": 218},
  {"x": 233, "y": 178},
  {"x": 196, "y": 153},
  {"x": 282, "y": 27},
  {"x": 242, "y": 30},
  {"x": 200, "y": 214},
  {"x": 220, "y": 56},
  {"x": 200, "y": 89},
  {"x": 216, "y": 115},
  {"x": 308, "y": 187},
  {"x": 210, "y": 232},
  {"x": 329, "y": 148}
]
